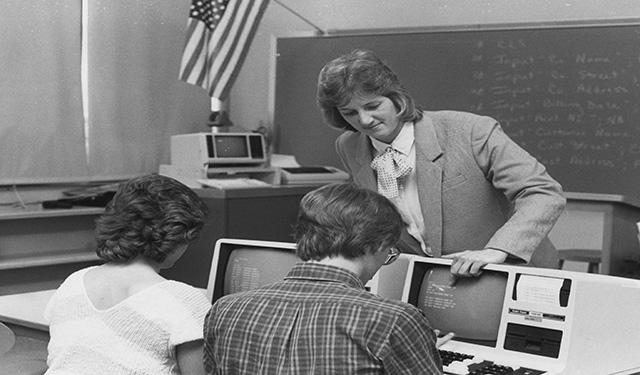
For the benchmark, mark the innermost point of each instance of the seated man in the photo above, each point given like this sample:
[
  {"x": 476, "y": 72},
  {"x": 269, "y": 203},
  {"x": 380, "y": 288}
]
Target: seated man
[{"x": 320, "y": 319}]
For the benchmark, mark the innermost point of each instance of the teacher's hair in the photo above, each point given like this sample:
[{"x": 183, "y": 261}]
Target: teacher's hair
[{"x": 360, "y": 73}]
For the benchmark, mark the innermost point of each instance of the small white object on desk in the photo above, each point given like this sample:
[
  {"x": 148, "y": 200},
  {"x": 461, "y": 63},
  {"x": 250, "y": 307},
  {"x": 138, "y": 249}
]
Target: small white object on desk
[
  {"x": 313, "y": 175},
  {"x": 284, "y": 161},
  {"x": 295, "y": 174}
]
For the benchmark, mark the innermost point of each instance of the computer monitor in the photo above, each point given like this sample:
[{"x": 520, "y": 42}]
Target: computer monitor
[
  {"x": 239, "y": 265},
  {"x": 534, "y": 320},
  {"x": 195, "y": 150},
  {"x": 471, "y": 307}
]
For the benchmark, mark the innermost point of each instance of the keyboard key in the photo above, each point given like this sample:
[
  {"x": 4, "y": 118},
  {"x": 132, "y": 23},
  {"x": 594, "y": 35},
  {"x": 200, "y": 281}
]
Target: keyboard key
[
  {"x": 449, "y": 356},
  {"x": 493, "y": 369}
]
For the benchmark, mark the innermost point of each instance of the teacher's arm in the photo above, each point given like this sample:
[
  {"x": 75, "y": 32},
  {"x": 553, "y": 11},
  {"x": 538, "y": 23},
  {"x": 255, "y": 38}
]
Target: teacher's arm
[{"x": 536, "y": 199}]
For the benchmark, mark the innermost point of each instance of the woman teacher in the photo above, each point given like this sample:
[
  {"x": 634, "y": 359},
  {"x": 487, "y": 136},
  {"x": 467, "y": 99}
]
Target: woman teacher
[{"x": 466, "y": 190}]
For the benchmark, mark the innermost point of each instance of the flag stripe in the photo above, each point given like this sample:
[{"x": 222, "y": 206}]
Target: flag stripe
[
  {"x": 221, "y": 39},
  {"x": 236, "y": 28},
  {"x": 218, "y": 36},
  {"x": 194, "y": 50},
  {"x": 232, "y": 74}
]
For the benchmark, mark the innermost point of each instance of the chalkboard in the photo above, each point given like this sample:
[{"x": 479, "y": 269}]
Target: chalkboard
[{"x": 570, "y": 95}]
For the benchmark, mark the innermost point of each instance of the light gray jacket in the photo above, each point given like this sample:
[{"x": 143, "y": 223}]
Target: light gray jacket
[{"x": 477, "y": 188}]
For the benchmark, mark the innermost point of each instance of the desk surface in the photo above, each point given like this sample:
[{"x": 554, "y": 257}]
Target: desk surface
[
  {"x": 35, "y": 212},
  {"x": 26, "y": 309},
  {"x": 262, "y": 191}
]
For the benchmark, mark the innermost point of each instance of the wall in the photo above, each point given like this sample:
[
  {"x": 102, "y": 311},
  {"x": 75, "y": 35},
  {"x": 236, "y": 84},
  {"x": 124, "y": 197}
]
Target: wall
[{"x": 250, "y": 101}]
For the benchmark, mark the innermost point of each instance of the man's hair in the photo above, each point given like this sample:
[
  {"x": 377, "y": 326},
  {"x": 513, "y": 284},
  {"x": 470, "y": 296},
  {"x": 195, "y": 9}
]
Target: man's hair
[
  {"x": 149, "y": 216},
  {"x": 345, "y": 220},
  {"x": 360, "y": 73}
]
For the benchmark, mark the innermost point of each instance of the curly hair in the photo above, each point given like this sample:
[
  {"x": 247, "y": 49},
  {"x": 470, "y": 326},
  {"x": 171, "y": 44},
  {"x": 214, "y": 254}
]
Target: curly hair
[
  {"x": 360, "y": 73},
  {"x": 345, "y": 220},
  {"x": 149, "y": 216}
]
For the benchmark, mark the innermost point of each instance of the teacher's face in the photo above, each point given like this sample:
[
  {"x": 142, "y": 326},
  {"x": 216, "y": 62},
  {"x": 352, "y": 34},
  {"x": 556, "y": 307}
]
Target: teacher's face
[{"x": 375, "y": 116}]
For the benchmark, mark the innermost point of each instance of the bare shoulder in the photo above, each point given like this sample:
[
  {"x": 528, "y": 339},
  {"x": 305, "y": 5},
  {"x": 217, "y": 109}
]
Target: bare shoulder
[{"x": 108, "y": 284}]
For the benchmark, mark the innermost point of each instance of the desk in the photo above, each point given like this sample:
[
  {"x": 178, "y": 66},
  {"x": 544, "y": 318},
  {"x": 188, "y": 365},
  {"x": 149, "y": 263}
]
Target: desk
[
  {"x": 604, "y": 222},
  {"x": 26, "y": 309}
]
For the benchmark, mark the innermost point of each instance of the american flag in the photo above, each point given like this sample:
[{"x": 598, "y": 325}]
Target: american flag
[{"x": 219, "y": 33}]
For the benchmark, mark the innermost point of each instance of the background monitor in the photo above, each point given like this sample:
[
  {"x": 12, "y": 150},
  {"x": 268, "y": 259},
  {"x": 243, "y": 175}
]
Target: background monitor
[
  {"x": 471, "y": 307},
  {"x": 234, "y": 146},
  {"x": 237, "y": 148},
  {"x": 241, "y": 265}
]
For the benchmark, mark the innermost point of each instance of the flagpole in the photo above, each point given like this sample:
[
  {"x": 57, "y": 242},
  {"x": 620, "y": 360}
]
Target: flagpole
[{"x": 322, "y": 32}]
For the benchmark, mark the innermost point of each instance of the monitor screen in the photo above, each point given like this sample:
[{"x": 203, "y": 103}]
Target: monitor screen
[
  {"x": 250, "y": 268},
  {"x": 240, "y": 265},
  {"x": 471, "y": 307},
  {"x": 231, "y": 146}
]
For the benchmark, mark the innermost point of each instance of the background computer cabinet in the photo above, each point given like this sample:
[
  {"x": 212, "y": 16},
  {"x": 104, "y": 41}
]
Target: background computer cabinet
[{"x": 264, "y": 213}]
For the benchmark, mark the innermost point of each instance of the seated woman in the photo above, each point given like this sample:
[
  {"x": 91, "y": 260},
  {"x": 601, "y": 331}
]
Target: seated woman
[{"x": 122, "y": 317}]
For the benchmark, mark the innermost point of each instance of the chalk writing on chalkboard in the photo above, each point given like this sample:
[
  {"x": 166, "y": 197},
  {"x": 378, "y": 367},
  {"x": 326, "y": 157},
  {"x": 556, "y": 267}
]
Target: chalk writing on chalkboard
[{"x": 567, "y": 108}]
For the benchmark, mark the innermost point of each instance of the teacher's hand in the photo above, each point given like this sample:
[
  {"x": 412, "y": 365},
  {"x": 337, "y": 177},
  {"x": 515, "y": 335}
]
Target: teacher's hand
[{"x": 469, "y": 263}]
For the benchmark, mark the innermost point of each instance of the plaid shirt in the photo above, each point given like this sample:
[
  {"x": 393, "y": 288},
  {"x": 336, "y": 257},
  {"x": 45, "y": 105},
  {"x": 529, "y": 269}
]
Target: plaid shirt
[{"x": 319, "y": 320}]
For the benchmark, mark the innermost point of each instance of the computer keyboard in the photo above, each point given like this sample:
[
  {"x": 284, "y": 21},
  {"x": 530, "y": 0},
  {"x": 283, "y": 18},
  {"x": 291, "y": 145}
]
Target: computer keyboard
[
  {"x": 465, "y": 364},
  {"x": 232, "y": 183}
]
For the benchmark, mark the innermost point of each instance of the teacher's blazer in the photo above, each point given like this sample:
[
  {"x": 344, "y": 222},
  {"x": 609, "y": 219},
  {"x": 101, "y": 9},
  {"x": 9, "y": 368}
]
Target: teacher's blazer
[{"x": 477, "y": 188}]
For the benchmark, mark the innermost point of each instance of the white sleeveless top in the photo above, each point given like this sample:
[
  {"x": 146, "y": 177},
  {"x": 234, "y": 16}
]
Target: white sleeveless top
[{"x": 139, "y": 335}]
